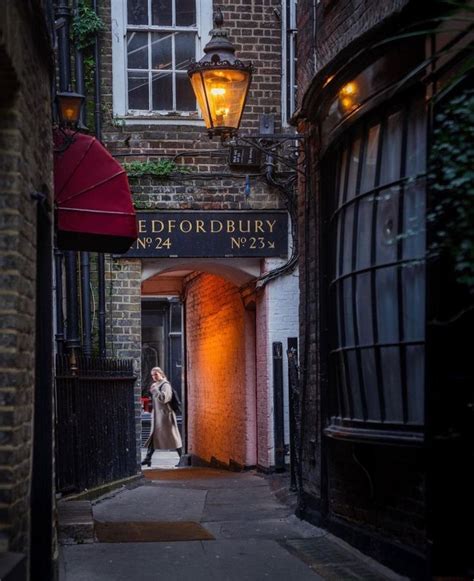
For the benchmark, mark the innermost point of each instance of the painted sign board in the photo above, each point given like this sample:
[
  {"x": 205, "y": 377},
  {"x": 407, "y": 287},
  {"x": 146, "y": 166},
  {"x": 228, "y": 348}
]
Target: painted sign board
[{"x": 194, "y": 234}]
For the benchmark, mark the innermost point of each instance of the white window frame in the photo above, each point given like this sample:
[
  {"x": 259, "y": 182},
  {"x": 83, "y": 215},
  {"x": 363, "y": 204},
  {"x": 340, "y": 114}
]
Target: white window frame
[
  {"x": 119, "y": 66},
  {"x": 288, "y": 49}
]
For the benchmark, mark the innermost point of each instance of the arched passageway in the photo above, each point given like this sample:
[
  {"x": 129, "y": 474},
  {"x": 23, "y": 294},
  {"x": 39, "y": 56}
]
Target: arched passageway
[{"x": 219, "y": 375}]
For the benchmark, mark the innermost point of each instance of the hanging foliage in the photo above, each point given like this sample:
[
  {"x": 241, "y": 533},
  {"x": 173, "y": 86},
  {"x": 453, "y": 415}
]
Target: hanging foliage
[
  {"x": 451, "y": 177},
  {"x": 85, "y": 26}
]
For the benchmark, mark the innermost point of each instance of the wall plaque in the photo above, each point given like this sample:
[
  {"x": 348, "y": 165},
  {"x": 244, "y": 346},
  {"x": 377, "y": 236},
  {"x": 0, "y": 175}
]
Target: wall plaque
[{"x": 210, "y": 234}]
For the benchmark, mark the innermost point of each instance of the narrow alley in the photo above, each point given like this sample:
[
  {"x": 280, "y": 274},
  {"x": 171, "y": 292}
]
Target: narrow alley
[{"x": 202, "y": 524}]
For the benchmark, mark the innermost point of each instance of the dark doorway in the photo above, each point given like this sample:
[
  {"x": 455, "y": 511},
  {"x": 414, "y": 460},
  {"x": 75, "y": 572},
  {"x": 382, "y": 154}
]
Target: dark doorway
[{"x": 162, "y": 335}]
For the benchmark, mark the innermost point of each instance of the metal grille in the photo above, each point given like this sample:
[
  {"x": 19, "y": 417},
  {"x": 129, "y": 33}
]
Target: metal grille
[
  {"x": 377, "y": 276},
  {"x": 96, "y": 439}
]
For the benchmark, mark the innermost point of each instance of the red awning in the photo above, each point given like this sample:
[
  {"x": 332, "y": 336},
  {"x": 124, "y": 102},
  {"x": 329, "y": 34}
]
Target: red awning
[{"x": 93, "y": 201}]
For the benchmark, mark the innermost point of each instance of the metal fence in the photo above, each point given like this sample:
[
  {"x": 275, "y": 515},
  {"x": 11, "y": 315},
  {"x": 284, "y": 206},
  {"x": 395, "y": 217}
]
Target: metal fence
[{"x": 95, "y": 422}]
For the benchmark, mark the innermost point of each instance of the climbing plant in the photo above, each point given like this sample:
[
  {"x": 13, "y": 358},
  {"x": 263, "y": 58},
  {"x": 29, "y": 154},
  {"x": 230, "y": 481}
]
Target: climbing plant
[
  {"x": 162, "y": 168},
  {"x": 451, "y": 178}
]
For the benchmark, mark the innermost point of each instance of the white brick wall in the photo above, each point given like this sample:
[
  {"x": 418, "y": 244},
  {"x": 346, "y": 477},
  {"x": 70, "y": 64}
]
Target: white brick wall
[{"x": 277, "y": 320}]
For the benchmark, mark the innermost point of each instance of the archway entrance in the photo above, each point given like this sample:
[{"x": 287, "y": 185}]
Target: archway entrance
[{"x": 196, "y": 326}]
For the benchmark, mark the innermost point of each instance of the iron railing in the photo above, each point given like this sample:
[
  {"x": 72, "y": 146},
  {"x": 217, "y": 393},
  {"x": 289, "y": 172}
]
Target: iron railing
[{"x": 95, "y": 422}]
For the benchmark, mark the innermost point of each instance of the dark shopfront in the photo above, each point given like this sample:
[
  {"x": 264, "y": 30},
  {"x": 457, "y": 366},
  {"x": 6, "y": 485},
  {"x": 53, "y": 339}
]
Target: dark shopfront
[{"x": 388, "y": 459}]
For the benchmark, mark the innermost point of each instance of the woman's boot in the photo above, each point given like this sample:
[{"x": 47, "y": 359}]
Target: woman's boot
[{"x": 147, "y": 460}]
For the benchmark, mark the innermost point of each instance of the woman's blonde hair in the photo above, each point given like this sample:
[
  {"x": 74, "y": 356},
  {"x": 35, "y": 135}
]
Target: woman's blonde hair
[{"x": 160, "y": 371}]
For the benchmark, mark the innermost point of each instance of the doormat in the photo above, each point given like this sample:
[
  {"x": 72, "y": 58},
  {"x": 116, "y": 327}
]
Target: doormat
[
  {"x": 150, "y": 532},
  {"x": 187, "y": 474}
]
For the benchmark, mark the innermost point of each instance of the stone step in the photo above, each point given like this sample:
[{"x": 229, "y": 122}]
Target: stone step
[{"x": 76, "y": 524}]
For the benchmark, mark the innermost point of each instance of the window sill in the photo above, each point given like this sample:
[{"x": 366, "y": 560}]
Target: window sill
[
  {"x": 375, "y": 432},
  {"x": 157, "y": 119}
]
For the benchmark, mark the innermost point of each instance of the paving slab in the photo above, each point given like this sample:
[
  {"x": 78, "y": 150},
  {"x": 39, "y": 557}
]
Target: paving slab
[
  {"x": 150, "y": 504},
  {"x": 187, "y": 561},
  {"x": 276, "y": 529}
]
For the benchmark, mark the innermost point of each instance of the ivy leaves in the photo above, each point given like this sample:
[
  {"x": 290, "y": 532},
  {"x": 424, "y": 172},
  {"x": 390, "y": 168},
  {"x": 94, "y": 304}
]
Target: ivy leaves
[
  {"x": 452, "y": 182},
  {"x": 85, "y": 26},
  {"x": 160, "y": 168}
]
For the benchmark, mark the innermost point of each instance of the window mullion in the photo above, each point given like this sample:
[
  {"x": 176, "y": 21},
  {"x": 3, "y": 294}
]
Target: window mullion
[
  {"x": 150, "y": 75},
  {"x": 173, "y": 54}
]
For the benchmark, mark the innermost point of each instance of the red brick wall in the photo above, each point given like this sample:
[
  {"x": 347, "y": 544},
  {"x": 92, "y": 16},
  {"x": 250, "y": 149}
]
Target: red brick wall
[{"x": 220, "y": 360}]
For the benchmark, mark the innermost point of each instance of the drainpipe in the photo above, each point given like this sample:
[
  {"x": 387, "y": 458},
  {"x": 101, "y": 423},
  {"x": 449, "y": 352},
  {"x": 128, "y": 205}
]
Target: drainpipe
[
  {"x": 98, "y": 134},
  {"x": 72, "y": 342},
  {"x": 84, "y": 256}
]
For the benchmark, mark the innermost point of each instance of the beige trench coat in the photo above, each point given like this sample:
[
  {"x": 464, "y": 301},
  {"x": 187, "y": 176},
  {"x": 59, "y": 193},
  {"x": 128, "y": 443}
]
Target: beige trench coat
[{"x": 164, "y": 433}]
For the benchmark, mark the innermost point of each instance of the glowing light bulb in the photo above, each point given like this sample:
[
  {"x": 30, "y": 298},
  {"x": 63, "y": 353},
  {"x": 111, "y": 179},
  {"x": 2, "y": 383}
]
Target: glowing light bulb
[{"x": 218, "y": 91}]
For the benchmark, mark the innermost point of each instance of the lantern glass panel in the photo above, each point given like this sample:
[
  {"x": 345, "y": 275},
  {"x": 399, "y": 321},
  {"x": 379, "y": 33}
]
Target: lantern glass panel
[{"x": 70, "y": 109}]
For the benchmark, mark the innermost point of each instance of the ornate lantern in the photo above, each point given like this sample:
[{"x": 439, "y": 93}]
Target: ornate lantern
[{"x": 221, "y": 83}]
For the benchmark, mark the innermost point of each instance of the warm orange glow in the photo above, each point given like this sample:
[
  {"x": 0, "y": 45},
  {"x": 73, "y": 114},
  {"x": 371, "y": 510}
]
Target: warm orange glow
[
  {"x": 217, "y": 390},
  {"x": 221, "y": 96},
  {"x": 348, "y": 97},
  {"x": 69, "y": 108}
]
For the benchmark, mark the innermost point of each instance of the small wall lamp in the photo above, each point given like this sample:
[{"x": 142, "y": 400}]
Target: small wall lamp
[{"x": 69, "y": 106}]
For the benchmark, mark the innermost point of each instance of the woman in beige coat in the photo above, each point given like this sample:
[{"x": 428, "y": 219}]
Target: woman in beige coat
[{"x": 164, "y": 427}]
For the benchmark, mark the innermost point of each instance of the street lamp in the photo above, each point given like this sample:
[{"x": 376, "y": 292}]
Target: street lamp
[{"x": 221, "y": 83}]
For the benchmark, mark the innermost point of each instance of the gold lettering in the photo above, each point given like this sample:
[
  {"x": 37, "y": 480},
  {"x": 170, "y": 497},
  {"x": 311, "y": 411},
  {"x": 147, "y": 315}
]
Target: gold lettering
[
  {"x": 171, "y": 225},
  {"x": 219, "y": 223},
  {"x": 189, "y": 226},
  {"x": 200, "y": 226},
  {"x": 157, "y": 226},
  {"x": 270, "y": 225},
  {"x": 258, "y": 226},
  {"x": 141, "y": 226},
  {"x": 241, "y": 228},
  {"x": 230, "y": 226},
  {"x": 235, "y": 242},
  {"x": 141, "y": 243}
]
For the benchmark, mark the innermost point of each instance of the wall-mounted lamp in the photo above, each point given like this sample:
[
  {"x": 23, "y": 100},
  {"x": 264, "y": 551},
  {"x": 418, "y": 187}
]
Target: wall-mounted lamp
[
  {"x": 221, "y": 83},
  {"x": 69, "y": 107}
]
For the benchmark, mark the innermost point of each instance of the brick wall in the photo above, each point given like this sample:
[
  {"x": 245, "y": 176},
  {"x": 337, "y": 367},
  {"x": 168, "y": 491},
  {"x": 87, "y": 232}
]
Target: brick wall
[
  {"x": 255, "y": 29},
  {"x": 378, "y": 489},
  {"x": 123, "y": 306},
  {"x": 277, "y": 320},
  {"x": 25, "y": 167},
  {"x": 220, "y": 362},
  {"x": 334, "y": 30}
]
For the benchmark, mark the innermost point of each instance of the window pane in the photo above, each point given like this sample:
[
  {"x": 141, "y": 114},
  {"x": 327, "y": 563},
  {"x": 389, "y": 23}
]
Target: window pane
[
  {"x": 355, "y": 387},
  {"x": 370, "y": 162},
  {"x": 185, "y": 12},
  {"x": 185, "y": 47},
  {"x": 185, "y": 99},
  {"x": 348, "y": 312},
  {"x": 345, "y": 387},
  {"x": 392, "y": 149},
  {"x": 416, "y": 139},
  {"x": 137, "y": 50},
  {"x": 387, "y": 226},
  {"x": 348, "y": 243},
  {"x": 138, "y": 91},
  {"x": 175, "y": 317},
  {"x": 364, "y": 232},
  {"x": 364, "y": 309},
  {"x": 353, "y": 169},
  {"x": 162, "y": 86},
  {"x": 161, "y": 50},
  {"x": 161, "y": 12},
  {"x": 392, "y": 385},
  {"x": 387, "y": 305},
  {"x": 370, "y": 384},
  {"x": 342, "y": 175},
  {"x": 416, "y": 383},
  {"x": 413, "y": 233},
  {"x": 137, "y": 11},
  {"x": 413, "y": 288}
]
